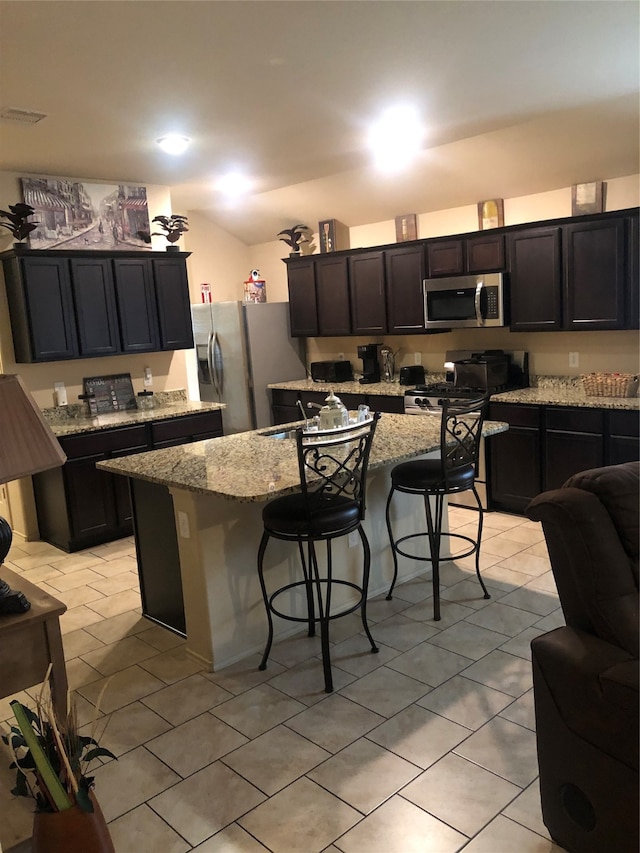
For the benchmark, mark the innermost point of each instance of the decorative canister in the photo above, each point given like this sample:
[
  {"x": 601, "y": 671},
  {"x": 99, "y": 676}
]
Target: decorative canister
[
  {"x": 255, "y": 288},
  {"x": 145, "y": 401}
]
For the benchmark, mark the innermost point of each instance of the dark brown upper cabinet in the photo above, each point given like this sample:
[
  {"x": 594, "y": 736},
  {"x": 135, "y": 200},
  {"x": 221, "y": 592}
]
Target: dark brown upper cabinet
[
  {"x": 535, "y": 280},
  {"x": 172, "y": 296},
  {"x": 94, "y": 295},
  {"x": 405, "y": 271},
  {"x": 136, "y": 300},
  {"x": 445, "y": 257},
  {"x": 303, "y": 309},
  {"x": 633, "y": 301},
  {"x": 332, "y": 296},
  {"x": 485, "y": 253},
  {"x": 366, "y": 291}
]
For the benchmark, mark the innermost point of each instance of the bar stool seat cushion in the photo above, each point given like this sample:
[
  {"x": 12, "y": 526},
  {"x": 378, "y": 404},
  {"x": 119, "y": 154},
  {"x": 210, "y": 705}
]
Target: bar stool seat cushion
[
  {"x": 425, "y": 475},
  {"x": 316, "y": 516}
]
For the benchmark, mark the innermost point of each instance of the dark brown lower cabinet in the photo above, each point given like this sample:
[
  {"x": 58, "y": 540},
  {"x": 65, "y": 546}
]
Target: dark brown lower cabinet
[
  {"x": 545, "y": 445},
  {"x": 79, "y": 506}
]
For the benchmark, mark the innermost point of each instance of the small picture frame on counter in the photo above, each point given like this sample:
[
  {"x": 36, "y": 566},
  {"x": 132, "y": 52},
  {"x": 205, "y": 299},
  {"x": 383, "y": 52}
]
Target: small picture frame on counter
[
  {"x": 490, "y": 213},
  {"x": 587, "y": 198},
  {"x": 406, "y": 227},
  {"x": 333, "y": 236}
]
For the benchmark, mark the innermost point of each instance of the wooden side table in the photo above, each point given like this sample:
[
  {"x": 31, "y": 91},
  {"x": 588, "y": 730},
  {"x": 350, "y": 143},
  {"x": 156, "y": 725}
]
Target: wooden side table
[{"x": 30, "y": 641}]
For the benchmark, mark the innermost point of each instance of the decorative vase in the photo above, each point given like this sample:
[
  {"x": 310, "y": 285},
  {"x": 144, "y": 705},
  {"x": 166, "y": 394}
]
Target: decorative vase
[
  {"x": 71, "y": 831},
  {"x": 173, "y": 248}
]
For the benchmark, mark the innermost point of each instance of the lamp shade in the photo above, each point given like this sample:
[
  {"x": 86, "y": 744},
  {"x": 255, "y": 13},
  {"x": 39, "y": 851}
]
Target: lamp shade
[{"x": 27, "y": 444}]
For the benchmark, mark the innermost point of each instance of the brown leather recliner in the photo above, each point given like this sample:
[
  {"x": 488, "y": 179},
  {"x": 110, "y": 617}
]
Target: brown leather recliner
[{"x": 585, "y": 675}]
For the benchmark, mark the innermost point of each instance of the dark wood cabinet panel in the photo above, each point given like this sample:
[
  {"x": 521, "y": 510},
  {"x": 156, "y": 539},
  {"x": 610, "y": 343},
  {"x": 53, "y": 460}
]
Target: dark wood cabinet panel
[
  {"x": 332, "y": 295},
  {"x": 623, "y": 443},
  {"x": 514, "y": 457},
  {"x": 445, "y": 257},
  {"x": 174, "y": 310},
  {"x": 535, "y": 280},
  {"x": 135, "y": 297},
  {"x": 303, "y": 310},
  {"x": 95, "y": 302},
  {"x": 568, "y": 453},
  {"x": 41, "y": 308},
  {"x": 405, "y": 271},
  {"x": 384, "y": 403},
  {"x": 485, "y": 254},
  {"x": 595, "y": 280},
  {"x": 366, "y": 293},
  {"x": 633, "y": 274}
]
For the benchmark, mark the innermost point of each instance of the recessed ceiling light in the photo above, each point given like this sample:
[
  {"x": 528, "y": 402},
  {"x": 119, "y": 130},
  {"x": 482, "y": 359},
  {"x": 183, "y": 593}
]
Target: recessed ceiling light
[
  {"x": 173, "y": 144},
  {"x": 396, "y": 138},
  {"x": 234, "y": 184}
]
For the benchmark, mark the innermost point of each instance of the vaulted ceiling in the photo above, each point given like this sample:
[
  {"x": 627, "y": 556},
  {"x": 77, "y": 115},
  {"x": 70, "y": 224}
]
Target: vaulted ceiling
[{"x": 518, "y": 97}]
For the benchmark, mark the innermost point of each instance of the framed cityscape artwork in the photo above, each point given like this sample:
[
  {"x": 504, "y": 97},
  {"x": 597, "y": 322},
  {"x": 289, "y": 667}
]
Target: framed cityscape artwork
[{"x": 73, "y": 214}]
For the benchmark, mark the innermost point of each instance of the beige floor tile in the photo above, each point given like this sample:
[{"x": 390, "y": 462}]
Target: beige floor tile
[
  {"x": 465, "y": 702},
  {"x": 116, "y": 583},
  {"x": 355, "y": 656},
  {"x": 385, "y": 691},
  {"x": 502, "y": 521},
  {"x": 470, "y": 641},
  {"x": 527, "y": 563},
  {"x": 553, "y": 620},
  {"x": 504, "y": 834},
  {"x": 305, "y": 682},
  {"x": 501, "y": 546},
  {"x": 498, "y": 576},
  {"x": 450, "y": 613},
  {"x": 258, "y": 710},
  {"x": 86, "y": 713},
  {"x": 379, "y": 608},
  {"x": 35, "y": 560},
  {"x": 128, "y": 728},
  {"x": 402, "y": 633},
  {"x": 69, "y": 563},
  {"x": 429, "y": 664},
  {"x": 527, "y": 535},
  {"x": 172, "y": 665},
  {"x": 206, "y": 802},
  {"x": 400, "y": 827},
  {"x": 196, "y": 743},
  {"x": 113, "y": 550},
  {"x": 460, "y": 793},
  {"x": 42, "y": 573},
  {"x": 527, "y": 811},
  {"x": 80, "y": 673},
  {"x": 78, "y": 617},
  {"x": 72, "y": 597},
  {"x": 112, "y": 567},
  {"x": 115, "y": 627},
  {"x": 295, "y": 649},
  {"x": 520, "y": 645},
  {"x": 364, "y": 775},
  {"x": 75, "y": 579},
  {"x": 275, "y": 759},
  {"x": 141, "y": 829},
  {"x": 469, "y": 593},
  {"x": 242, "y": 676},
  {"x": 414, "y": 590},
  {"x": 6, "y": 713},
  {"x": 233, "y": 839},
  {"x": 521, "y": 711},
  {"x": 540, "y": 549},
  {"x": 545, "y": 582},
  {"x": 16, "y": 813},
  {"x": 186, "y": 699},
  {"x": 503, "y": 619},
  {"x": 122, "y": 688},
  {"x": 79, "y": 642},
  {"x": 504, "y": 748},
  {"x": 115, "y": 604},
  {"x": 161, "y": 638},
  {"x": 334, "y": 723},
  {"x": 126, "y": 783},
  {"x": 419, "y": 735},
  {"x": 507, "y": 673},
  {"x": 304, "y": 818},
  {"x": 119, "y": 655},
  {"x": 535, "y": 601}
]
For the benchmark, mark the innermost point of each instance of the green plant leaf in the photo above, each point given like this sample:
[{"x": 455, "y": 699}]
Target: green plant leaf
[
  {"x": 97, "y": 752},
  {"x": 84, "y": 800}
]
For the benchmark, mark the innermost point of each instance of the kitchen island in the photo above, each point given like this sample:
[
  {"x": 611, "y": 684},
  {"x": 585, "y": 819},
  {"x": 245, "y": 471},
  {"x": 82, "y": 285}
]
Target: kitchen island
[{"x": 216, "y": 489}]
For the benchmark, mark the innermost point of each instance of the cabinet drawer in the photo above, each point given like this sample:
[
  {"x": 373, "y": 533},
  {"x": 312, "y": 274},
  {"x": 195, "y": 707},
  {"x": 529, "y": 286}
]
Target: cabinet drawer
[
  {"x": 526, "y": 416},
  {"x": 281, "y": 397},
  {"x": 186, "y": 428},
  {"x": 105, "y": 441},
  {"x": 379, "y": 403},
  {"x": 575, "y": 420},
  {"x": 624, "y": 423}
]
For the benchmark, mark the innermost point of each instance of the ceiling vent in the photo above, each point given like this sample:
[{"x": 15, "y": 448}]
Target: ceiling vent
[{"x": 26, "y": 116}]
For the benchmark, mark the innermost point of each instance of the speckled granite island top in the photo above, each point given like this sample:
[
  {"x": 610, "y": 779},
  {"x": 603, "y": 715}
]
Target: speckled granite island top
[
  {"x": 254, "y": 466},
  {"x": 545, "y": 391}
]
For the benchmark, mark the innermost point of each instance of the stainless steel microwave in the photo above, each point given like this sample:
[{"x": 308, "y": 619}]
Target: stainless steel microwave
[{"x": 470, "y": 301}]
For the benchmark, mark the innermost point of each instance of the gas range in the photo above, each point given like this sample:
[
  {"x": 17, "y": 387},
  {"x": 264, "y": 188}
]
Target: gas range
[{"x": 427, "y": 399}]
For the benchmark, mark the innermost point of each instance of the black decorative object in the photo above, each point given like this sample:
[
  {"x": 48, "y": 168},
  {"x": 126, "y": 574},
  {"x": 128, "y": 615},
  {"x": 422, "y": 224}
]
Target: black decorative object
[
  {"x": 295, "y": 237},
  {"x": 173, "y": 227},
  {"x": 18, "y": 215}
]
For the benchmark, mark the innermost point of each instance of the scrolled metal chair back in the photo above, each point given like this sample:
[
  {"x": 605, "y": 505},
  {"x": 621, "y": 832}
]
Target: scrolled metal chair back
[{"x": 460, "y": 433}]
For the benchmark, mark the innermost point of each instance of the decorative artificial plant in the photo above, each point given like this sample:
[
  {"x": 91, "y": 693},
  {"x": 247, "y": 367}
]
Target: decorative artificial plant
[
  {"x": 295, "y": 237},
  {"x": 173, "y": 227},
  {"x": 51, "y": 758},
  {"x": 17, "y": 216}
]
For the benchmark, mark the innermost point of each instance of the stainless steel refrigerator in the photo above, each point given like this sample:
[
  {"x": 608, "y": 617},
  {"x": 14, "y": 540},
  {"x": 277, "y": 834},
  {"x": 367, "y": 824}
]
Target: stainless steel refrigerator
[{"x": 241, "y": 348}]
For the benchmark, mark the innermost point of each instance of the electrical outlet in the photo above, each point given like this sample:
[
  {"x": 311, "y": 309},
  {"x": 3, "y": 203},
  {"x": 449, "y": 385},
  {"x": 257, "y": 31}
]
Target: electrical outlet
[
  {"x": 148, "y": 377},
  {"x": 340, "y": 356},
  {"x": 60, "y": 394},
  {"x": 417, "y": 358},
  {"x": 353, "y": 539},
  {"x": 574, "y": 359},
  {"x": 183, "y": 525}
]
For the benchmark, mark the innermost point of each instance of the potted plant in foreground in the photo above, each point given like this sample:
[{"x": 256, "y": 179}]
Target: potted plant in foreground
[
  {"x": 173, "y": 227},
  {"x": 51, "y": 761}
]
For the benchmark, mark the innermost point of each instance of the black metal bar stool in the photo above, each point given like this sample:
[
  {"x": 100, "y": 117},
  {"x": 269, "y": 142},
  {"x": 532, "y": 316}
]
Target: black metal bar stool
[
  {"x": 333, "y": 468},
  {"x": 454, "y": 471}
]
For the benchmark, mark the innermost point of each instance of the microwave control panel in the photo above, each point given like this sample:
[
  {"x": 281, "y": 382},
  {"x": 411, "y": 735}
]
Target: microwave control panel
[{"x": 492, "y": 308}]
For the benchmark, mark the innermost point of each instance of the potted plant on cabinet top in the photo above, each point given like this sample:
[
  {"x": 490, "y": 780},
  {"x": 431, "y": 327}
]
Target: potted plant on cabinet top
[
  {"x": 51, "y": 760},
  {"x": 173, "y": 227},
  {"x": 18, "y": 215}
]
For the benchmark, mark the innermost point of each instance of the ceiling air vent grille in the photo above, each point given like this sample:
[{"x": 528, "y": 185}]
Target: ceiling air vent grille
[{"x": 27, "y": 116}]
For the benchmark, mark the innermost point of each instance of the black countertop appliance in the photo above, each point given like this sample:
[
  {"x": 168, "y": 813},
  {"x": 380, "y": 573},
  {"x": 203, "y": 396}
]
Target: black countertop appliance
[
  {"x": 370, "y": 363},
  {"x": 486, "y": 371}
]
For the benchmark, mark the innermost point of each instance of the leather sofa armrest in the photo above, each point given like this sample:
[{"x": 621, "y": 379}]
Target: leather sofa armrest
[{"x": 620, "y": 685}]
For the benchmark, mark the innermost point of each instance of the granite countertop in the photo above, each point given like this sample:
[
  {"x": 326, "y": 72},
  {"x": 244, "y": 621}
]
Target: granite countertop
[
  {"x": 545, "y": 391},
  {"x": 253, "y": 466},
  {"x": 69, "y": 420}
]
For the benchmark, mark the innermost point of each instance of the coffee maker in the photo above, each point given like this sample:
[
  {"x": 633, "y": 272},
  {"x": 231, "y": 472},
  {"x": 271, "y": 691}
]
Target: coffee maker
[{"x": 370, "y": 363}]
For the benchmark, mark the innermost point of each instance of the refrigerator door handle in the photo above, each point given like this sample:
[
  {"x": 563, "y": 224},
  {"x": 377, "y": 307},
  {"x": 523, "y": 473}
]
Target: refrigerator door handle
[
  {"x": 215, "y": 357},
  {"x": 210, "y": 367}
]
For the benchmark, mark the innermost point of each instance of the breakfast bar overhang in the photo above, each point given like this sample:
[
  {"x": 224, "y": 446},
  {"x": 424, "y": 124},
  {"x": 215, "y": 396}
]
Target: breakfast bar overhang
[{"x": 218, "y": 488}]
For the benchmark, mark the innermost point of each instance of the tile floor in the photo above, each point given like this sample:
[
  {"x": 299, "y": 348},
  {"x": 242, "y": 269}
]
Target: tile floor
[{"x": 427, "y": 746}]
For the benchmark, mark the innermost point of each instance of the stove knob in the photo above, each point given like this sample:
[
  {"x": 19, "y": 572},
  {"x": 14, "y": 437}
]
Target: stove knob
[{"x": 420, "y": 402}]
